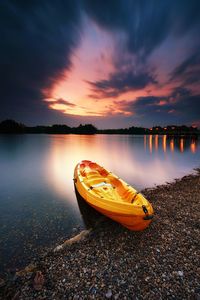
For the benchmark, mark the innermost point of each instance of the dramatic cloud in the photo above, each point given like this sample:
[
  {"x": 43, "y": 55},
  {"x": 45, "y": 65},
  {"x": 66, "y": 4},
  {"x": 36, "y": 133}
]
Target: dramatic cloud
[
  {"x": 189, "y": 70},
  {"x": 38, "y": 39},
  {"x": 145, "y": 23},
  {"x": 61, "y": 101},
  {"x": 119, "y": 83},
  {"x": 180, "y": 106},
  {"x": 136, "y": 74}
]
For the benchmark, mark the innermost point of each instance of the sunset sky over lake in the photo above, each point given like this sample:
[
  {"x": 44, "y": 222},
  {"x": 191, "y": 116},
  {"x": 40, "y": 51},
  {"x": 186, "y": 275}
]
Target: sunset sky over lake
[{"x": 112, "y": 63}]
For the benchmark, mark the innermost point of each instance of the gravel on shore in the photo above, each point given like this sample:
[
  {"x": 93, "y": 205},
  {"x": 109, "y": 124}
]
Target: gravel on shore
[{"x": 162, "y": 262}]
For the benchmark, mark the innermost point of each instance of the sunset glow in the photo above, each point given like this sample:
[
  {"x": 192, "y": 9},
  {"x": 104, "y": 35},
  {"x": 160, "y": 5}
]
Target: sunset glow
[
  {"x": 112, "y": 65},
  {"x": 99, "y": 137}
]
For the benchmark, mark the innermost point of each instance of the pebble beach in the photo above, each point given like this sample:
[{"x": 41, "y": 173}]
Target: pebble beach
[{"x": 111, "y": 262}]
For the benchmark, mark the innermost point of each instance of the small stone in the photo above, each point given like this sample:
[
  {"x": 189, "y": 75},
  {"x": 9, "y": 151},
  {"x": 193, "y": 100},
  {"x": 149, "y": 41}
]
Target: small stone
[
  {"x": 93, "y": 290},
  {"x": 2, "y": 282},
  {"x": 109, "y": 294},
  {"x": 180, "y": 273},
  {"x": 38, "y": 281}
]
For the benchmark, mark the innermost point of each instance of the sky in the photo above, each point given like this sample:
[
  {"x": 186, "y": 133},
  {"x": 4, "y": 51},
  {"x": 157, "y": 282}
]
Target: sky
[{"x": 112, "y": 63}]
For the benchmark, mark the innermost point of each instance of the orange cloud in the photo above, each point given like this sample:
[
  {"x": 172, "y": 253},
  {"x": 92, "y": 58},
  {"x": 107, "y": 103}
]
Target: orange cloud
[
  {"x": 162, "y": 102},
  {"x": 91, "y": 61}
]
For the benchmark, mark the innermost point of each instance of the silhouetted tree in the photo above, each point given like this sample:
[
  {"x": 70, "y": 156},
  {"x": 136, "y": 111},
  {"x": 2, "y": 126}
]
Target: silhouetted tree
[
  {"x": 11, "y": 126},
  {"x": 63, "y": 129},
  {"x": 85, "y": 129}
]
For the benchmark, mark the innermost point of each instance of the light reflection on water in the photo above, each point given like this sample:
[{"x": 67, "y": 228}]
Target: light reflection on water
[
  {"x": 141, "y": 160},
  {"x": 37, "y": 200}
]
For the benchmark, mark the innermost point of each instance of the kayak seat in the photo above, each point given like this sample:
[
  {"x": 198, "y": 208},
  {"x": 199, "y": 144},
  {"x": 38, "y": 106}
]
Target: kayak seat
[{"x": 101, "y": 184}]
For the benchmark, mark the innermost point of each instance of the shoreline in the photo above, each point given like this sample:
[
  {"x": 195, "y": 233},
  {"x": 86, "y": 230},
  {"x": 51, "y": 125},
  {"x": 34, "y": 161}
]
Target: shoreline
[{"x": 112, "y": 262}]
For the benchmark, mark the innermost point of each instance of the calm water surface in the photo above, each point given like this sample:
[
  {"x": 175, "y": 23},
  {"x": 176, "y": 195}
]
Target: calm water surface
[{"x": 38, "y": 206}]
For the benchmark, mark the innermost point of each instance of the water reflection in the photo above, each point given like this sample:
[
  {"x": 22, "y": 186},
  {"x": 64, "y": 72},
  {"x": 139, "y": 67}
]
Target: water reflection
[
  {"x": 37, "y": 200},
  {"x": 150, "y": 143},
  {"x": 156, "y": 142},
  {"x": 182, "y": 145},
  {"x": 131, "y": 157},
  {"x": 169, "y": 143},
  {"x": 193, "y": 146},
  {"x": 164, "y": 143},
  {"x": 145, "y": 142},
  {"x": 172, "y": 145}
]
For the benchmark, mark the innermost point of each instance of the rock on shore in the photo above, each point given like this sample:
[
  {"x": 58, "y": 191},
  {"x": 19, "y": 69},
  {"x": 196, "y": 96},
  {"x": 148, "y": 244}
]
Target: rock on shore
[{"x": 162, "y": 262}]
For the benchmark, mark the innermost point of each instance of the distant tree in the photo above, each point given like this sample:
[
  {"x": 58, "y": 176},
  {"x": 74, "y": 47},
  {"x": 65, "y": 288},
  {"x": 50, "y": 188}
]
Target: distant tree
[
  {"x": 85, "y": 129},
  {"x": 11, "y": 126},
  {"x": 56, "y": 128},
  {"x": 136, "y": 130}
]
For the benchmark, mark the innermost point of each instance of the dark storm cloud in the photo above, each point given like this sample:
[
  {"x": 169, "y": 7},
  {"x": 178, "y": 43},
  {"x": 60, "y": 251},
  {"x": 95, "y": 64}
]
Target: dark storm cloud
[
  {"x": 37, "y": 40},
  {"x": 119, "y": 83},
  {"x": 144, "y": 105},
  {"x": 180, "y": 105},
  {"x": 179, "y": 93},
  {"x": 146, "y": 23},
  {"x": 62, "y": 101},
  {"x": 189, "y": 70}
]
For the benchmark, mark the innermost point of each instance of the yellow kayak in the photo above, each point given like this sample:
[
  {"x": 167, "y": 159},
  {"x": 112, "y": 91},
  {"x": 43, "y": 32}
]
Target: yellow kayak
[{"x": 112, "y": 196}]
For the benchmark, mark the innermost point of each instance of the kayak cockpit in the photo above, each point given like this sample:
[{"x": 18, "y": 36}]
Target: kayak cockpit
[
  {"x": 112, "y": 196},
  {"x": 103, "y": 183}
]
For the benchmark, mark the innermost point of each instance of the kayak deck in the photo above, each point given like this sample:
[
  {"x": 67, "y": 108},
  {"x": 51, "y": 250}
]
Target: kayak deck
[
  {"x": 112, "y": 196},
  {"x": 104, "y": 183}
]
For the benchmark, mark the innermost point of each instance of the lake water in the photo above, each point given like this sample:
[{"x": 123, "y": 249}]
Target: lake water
[{"x": 38, "y": 206}]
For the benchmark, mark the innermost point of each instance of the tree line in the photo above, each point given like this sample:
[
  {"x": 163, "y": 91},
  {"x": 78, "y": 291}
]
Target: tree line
[{"x": 11, "y": 126}]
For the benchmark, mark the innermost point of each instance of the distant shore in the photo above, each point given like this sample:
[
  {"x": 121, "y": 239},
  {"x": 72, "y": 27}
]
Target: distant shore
[
  {"x": 13, "y": 127},
  {"x": 113, "y": 263}
]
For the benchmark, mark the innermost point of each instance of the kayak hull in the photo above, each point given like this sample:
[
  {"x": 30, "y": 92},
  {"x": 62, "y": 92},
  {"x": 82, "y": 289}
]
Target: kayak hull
[{"x": 112, "y": 197}]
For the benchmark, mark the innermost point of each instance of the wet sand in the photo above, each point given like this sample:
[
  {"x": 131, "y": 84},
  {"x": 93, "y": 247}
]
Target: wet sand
[{"x": 162, "y": 262}]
